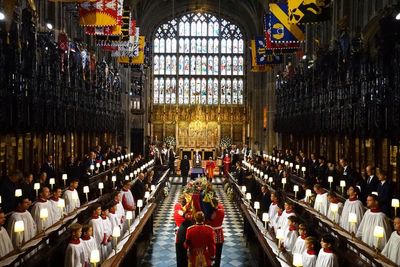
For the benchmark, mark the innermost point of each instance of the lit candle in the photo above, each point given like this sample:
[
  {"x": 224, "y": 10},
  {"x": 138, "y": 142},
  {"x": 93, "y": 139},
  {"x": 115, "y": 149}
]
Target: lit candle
[
  {"x": 43, "y": 215},
  {"x": 297, "y": 167},
  {"x": 18, "y": 192},
  {"x": 91, "y": 167},
  {"x": 265, "y": 177},
  {"x": 244, "y": 189},
  {"x": 126, "y": 177},
  {"x": 286, "y": 163},
  {"x": 395, "y": 205},
  {"x": 129, "y": 217},
  {"x": 330, "y": 180},
  {"x": 378, "y": 234},
  {"x": 52, "y": 182},
  {"x": 283, "y": 183},
  {"x": 265, "y": 218},
  {"x": 342, "y": 185},
  {"x": 64, "y": 177},
  {"x": 19, "y": 227},
  {"x": 295, "y": 189},
  {"x": 248, "y": 196},
  {"x": 308, "y": 195},
  {"x": 114, "y": 179},
  {"x": 270, "y": 180},
  {"x": 101, "y": 186},
  {"x": 86, "y": 191},
  {"x": 97, "y": 165},
  {"x": 116, "y": 233},
  {"x": 282, "y": 161},
  {"x": 118, "y": 159},
  {"x": 139, "y": 204},
  {"x": 303, "y": 169},
  {"x": 109, "y": 162},
  {"x": 36, "y": 186},
  {"x": 114, "y": 160},
  {"x": 334, "y": 210},
  {"x": 95, "y": 257},
  {"x": 146, "y": 195},
  {"x": 352, "y": 221},
  {"x": 256, "y": 207},
  {"x": 131, "y": 175},
  {"x": 273, "y": 158},
  {"x": 152, "y": 187},
  {"x": 297, "y": 259},
  {"x": 104, "y": 164},
  {"x": 61, "y": 206},
  {"x": 280, "y": 235}
]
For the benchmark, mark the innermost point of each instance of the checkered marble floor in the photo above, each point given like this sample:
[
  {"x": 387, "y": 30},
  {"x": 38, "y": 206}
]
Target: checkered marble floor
[{"x": 161, "y": 252}]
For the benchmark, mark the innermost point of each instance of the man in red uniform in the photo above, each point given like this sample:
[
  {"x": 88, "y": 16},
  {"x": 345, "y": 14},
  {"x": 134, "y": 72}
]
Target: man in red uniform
[
  {"x": 217, "y": 218},
  {"x": 227, "y": 164},
  {"x": 210, "y": 166},
  {"x": 179, "y": 212},
  {"x": 200, "y": 243}
]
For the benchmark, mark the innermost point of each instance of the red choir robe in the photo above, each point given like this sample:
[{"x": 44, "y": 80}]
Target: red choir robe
[
  {"x": 200, "y": 243},
  {"x": 210, "y": 166},
  {"x": 227, "y": 165}
]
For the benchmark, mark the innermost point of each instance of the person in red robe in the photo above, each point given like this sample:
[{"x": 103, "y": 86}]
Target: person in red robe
[
  {"x": 217, "y": 218},
  {"x": 200, "y": 242},
  {"x": 179, "y": 212},
  {"x": 210, "y": 166},
  {"x": 227, "y": 164}
]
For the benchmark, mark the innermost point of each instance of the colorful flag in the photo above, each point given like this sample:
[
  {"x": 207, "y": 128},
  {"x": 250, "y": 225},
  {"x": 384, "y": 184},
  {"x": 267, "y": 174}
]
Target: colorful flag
[
  {"x": 254, "y": 66},
  {"x": 137, "y": 60},
  {"x": 281, "y": 30},
  {"x": 309, "y": 11},
  {"x": 264, "y": 56},
  {"x": 110, "y": 30},
  {"x": 283, "y": 47},
  {"x": 98, "y": 13}
]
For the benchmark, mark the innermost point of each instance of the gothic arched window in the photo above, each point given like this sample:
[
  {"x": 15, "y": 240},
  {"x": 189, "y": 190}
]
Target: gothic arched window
[{"x": 198, "y": 59}]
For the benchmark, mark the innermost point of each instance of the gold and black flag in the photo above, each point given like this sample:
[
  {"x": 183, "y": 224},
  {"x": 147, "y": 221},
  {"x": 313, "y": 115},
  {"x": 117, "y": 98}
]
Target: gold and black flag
[{"x": 308, "y": 11}]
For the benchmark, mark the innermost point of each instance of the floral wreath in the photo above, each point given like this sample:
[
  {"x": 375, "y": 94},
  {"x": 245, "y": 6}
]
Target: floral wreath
[{"x": 169, "y": 140}]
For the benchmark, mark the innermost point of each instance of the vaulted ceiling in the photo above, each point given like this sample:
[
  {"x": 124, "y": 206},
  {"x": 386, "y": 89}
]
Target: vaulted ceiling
[{"x": 247, "y": 14}]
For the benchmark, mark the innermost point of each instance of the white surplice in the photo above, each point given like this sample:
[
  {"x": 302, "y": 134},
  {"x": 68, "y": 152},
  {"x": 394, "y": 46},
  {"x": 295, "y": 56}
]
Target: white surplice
[
  {"x": 351, "y": 206},
  {"x": 30, "y": 228},
  {"x": 392, "y": 248}
]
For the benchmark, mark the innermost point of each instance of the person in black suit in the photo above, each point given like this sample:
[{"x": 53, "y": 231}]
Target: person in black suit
[
  {"x": 348, "y": 174},
  {"x": 138, "y": 189},
  {"x": 185, "y": 167},
  {"x": 385, "y": 192},
  {"x": 48, "y": 167},
  {"x": 171, "y": 160},
  {"x": 265, "y": 199},
  {"x": 372, "y": 181}
]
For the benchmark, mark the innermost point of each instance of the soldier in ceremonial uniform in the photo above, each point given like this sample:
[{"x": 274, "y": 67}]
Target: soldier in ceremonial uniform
[
  {"x": 200, "y": 243},
  {"x": 217, "y": 218}
]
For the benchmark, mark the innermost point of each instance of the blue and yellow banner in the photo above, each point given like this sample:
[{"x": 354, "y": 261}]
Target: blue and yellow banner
[
  {"x": 254, "y": 66},
  {"x": 309, "y": 11},
  {"x": 280, "y": 28},
  {"x": 282, "y": 47},
  {"x": 264, "y": 56}
]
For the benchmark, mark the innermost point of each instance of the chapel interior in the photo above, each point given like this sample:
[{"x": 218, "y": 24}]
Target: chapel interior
[{"x": 199, "y": 133}]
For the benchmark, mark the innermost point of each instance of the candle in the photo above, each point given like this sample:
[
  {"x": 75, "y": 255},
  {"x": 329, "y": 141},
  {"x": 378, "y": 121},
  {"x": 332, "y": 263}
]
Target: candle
[
  {"x": 36, "y": 186},
  {"x": 395, "y": 205},
  {"x": 95, "y": 257},
  {"x": 265, "y": 219},
  {"x": 257, "y": 205},
  {"x": 330, "y": 180},
  {"x": 248, "y": 196},
  {"x": 265, "y": 177},
  {"x": 113, "y": 179},
  {"x": 244, "y": 189},
  {"x": 146, "y": 195},
  {"x": 282, "y": 161},
  {"x": 114, "y": 160},
  {"x": 101, "y": 187},
  {"x": 152, "y": 187},
  {"x": 295, "y": 189},
  {"x": 286, "y": 163},
  {"x": 129, "y": 217},
  {"x": 109, "y": 162},
  {"x": 52, "y": 182},
  {"x": 86, "y": 191},
  {"x": 139, "y": 204},
  {"x": 297, "y": 166},
  {"x": 303, "y": 169},
  {"x": 291, "y": 165},
  {"x": 283, "y": 183},
  {"x": 61, "y": 206},
  {"x": 18, "y": 192},
  {"x": 97, "y": 165},
  {"x": 116, "y": 233},
  {"x": 308, "y": 194},
  {"x": 273, "y": 158},
  {"x": 91, "y": 167},
  {"x": 378, "y": 234},
  {"x": 122, "y": 157},
  {"x": 104, "y": 164},
  {"x": 126, "y": 177},
  {"x": 43, "y": 215},
  {"x": 280, "y": 236},
  {"x": 118, "y": 159},
  {"x": 297, "y": 260},
  {"x": 352, "y": 221},
  {"x": 342, "y": 185},
  {"x": 270, "y": 180},
  {"x": 334, "y": 210},
  {"x": 131, "y": 175},
  {"x": 19, "y": 227},
  {"x": 64, "y": 177}
]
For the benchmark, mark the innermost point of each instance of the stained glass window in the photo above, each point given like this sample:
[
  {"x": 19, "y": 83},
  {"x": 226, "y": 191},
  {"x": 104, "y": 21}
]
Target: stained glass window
[{"x": 198, "y": 59}]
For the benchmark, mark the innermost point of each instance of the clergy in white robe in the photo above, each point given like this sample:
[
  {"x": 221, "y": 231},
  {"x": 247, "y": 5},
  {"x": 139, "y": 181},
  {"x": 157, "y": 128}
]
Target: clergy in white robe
[
  {"x": 88, "y": 242},
  {"x": 321, "y": 200},
  {"x": 352, "y": 205},
  {"x": 54, "y": 202},
  {"x": 335, "y": 208},
  {"x": 372, "y": 218},
  {"x": 43, "y": 204},
  {"x": 75, "y": 255},
  {"x": 71, "y": 197},
  {"x": 309, "y": 256},
  {"x": 392, "y": 248},
  {"x": 5, "y": 241},
  {"x": 290, "y": 234},
  {"x": 21, "y": 214},
  {"x": 326, "y": 257},
  {"x": 300, "y": 244}
]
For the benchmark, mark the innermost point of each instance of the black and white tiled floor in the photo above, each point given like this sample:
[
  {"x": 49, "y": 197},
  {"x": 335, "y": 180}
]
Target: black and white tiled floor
[{"x": 161, "y": 252}]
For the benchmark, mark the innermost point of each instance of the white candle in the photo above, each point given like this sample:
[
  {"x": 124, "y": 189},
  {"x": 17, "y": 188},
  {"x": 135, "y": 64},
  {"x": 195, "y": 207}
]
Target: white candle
[
  {"x": 131, "y": 175},
  {"x": 283, "y": 183},
  {"x": 295, "y": 190},
  {"x": 18, "y": 192},
  {"x": 36, "y": 186},
  {"x": 297, "y": 166},
  {"x": 308, "y": 194},
  {"x": 95, "y": 256},
  {"x": 146, "y": 194},
  {"x": 44, "y": 213},
  {"x": 248, "y": 196},
  {"x": 126, "y": 177},
  {"x": 297, "y": 260},
  {"x": 64, "y": 177},
  {"x": 152, "y": 187},
  {"x": 244, "y": 189},
  {"x": 101, "y": 186},
  {"x": 270, "y": 180},
  {"x": 113, "y": 179},
  {"x": 98, "y": 165},
  {"x": 395, "y": 205},
  {"x": 139, "y": 203},
  {"x": 256, "y": 205}
]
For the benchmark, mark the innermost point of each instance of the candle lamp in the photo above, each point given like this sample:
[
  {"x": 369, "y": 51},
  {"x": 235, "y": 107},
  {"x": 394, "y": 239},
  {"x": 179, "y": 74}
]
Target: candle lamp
[
  {"x": 342, "y": 185},
  {"x": 286, "y": 163},
  {"x": 146, "y": 195},
  {"x": 248, "y": 196},
  {"x": 103, "y": 163},
  {"x": 270, "y": 180},
  {"x": 43, "y": 215},
  {"x": 18, "y": 192},
  {"x": 122, "y": 157},
  {"x": 273, "y": 158},
  {"x": 291, "y": 165},
  {"x": 282, "y": 161},
  {"x": 139, "y": 204},
  {"x": 101, "y": 187},
  {"x": 113, "y": 160},
  {"x": 378, "y": 234},
  {"x": 131, "y": 175},
  {"x": 295, "y": 189},
  {"x": 86, "y": 191},
  {"x": 52, "y": 182},
  {"x": 265, "y": 218},
  {"x": 61, "y": 206},
  {"x": 283, "y": 183},
  {"x": 280, "y": 235},
  {"x": 261, "y": 174},
  {"x": 129, "y": 217},
  {"x": 330, "y": 180},
  {"x": 19, "y": 228},
  {"x": 114, "y": 179},
  {"x": 118, "y": 159},
  {"x": 256, "y": 207},
  {"x": 297, "y": 167},
  {"x": 395, "y": 205},
  {"x": 265, "y": 177},
  {"x": 91, "y": 167},
  {"x": 308, "y": 195},
  {"x": 94, "y": 257},
  {"x": 334, "y": 210},
  {"x": 36, "y": 186},
  {"x": 152, "y": 187},
  {"x": 352, "y": 220},
  {"x": 116, "y": 233},
  {"x": 303, "y": 169},
  {"x": 244, "y": 189},
  {"x": 126, "y": 177},
  {"x": 297, "y": 260},
  {"x": 108, "y": 162},
  {"x": 64, "y": 177},
  {"x": 97, "y": 166}
]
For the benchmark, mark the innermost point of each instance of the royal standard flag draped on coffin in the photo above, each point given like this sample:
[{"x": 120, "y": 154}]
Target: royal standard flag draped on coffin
[
  {"x": 309, "y": 11},
  {"x": 281, "y": 29}
]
